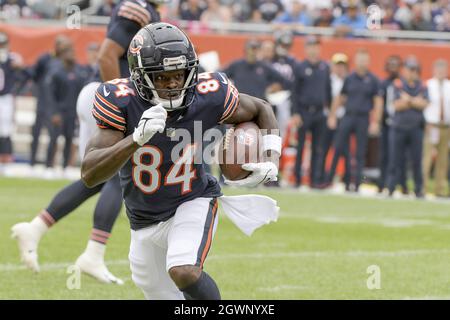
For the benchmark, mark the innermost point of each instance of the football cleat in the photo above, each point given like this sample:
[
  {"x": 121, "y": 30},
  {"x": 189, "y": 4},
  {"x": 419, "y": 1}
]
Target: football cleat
[
  {"x": 96, "y": 269},
  {"x": 27, "y": 240}
]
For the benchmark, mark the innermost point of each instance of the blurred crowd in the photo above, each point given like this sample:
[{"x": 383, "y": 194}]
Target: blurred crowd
[
  {"x": 343, "y": 15},
  {"x": 327, "y": 111}
]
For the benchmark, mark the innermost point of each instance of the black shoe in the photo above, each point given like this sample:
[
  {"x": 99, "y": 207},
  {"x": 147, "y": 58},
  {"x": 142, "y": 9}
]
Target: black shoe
[{"x": 420, "y": 195}]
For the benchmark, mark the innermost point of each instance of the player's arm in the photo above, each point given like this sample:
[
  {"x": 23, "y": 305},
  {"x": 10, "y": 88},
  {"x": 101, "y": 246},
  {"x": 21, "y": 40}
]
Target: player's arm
[
  {"x": 107, "y": 151},
  {"x": 260, "y": 112},
  {"x": 108, "y": 59}
]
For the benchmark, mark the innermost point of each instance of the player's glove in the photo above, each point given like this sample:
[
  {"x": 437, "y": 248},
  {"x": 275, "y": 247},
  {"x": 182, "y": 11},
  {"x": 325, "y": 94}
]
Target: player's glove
[
  {"x": 152, "y": 120},
  {"x": 261, "y": 173}
]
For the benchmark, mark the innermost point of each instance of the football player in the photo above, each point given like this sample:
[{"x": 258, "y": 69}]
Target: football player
[
  {"x": 127, "y": 18},
  {"x": 171, "y": 202}
]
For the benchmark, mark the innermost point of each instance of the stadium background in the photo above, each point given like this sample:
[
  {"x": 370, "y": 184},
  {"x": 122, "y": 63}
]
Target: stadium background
[{"x": 319, "y": 250}]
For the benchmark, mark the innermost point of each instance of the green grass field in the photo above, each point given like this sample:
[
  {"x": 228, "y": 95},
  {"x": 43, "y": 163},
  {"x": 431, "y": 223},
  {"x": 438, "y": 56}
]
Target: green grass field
[{"x": 320, "y": 248}]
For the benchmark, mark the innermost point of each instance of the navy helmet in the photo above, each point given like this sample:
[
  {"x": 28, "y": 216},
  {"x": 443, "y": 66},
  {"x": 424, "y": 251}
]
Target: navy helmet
[{"x": 160, "y": 47}]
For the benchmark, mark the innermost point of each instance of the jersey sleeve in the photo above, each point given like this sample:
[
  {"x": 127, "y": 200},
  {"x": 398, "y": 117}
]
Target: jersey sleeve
[
  {"x": 128, "y": 19},
  {"x": 105, "y": 110},
  {"x": 229, "y": 98}
]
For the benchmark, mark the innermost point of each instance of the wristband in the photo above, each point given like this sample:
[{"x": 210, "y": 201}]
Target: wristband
[{"x": 271, "y": 142}]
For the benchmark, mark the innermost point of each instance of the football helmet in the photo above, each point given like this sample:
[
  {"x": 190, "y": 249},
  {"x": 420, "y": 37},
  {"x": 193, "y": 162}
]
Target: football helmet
[{"x": 160, "y": 47}]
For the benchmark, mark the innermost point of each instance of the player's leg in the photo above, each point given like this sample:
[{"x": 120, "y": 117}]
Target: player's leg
[
  {"x": 148, "y": 252},
  {"x": 92, "y": 260},
  {"x": 28, "y": 234},
  {"x": 189, "y": 241}
]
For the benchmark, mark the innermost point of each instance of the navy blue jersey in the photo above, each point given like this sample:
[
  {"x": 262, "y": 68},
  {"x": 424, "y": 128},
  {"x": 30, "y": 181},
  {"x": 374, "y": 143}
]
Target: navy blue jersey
[
  {"x": 127, "y": 19},
  {"x": 7, "y": 76},
  {"x": 153, "y": 183},
  {"x": 411, "y": 117}
]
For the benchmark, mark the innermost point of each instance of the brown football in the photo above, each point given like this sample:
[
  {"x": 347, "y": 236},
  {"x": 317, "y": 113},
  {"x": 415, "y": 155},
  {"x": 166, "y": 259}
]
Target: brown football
[{"x": 241, "y": 144}]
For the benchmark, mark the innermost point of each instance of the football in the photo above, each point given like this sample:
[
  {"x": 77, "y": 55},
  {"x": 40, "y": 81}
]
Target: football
[{"x": 241, "y": 144}]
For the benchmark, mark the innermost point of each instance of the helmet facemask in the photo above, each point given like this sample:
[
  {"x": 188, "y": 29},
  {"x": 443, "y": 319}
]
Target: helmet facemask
[{"x": 144, "y": 77}]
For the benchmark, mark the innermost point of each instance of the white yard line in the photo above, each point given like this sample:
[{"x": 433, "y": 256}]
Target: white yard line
[
  {"x": 381, "y": 220},
  {"x": 300, "y": 254}
]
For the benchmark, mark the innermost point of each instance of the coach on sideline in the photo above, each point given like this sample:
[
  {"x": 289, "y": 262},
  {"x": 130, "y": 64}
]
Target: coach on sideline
[
  {"x": 359, "y": 95},
  {"x": 406, "y": 136},
  {"x": 311, "y": 96}
]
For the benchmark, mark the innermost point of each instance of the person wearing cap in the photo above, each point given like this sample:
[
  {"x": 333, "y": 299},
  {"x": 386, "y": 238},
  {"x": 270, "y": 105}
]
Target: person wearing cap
[
  {"x": 406, "y": 136},
  {"x": 311, "y": 96},
  {"x": 253, "y": 76},
  {"x": 437, "y": 130},
  {"x": 392, "y": 67},
  {"x": 360, "y": 95},
  {"x": 339, "y": 71},
  {"x": 10, "y": 66}
]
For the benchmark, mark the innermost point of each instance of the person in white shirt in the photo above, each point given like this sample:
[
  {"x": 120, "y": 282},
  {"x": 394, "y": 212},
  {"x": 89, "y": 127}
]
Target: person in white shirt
[
  {"x": 339, "y": 71},
  {"x": 437, "y": 131}
]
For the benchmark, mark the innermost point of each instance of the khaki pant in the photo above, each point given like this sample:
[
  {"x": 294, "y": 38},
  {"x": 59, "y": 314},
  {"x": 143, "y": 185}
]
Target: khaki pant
[{"x": 441, "y": 145}]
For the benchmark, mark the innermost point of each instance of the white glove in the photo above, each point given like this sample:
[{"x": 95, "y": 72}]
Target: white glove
[
  {"x": 261, "y": 173},
  {"x": 152, "y": 120}
]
